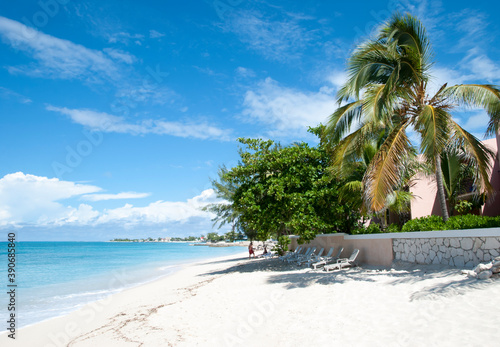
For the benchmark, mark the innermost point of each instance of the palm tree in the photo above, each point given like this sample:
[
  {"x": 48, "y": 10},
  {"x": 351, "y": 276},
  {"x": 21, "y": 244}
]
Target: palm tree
[
  {"x": 387, "y": 88},
  {"x": 458, "y": 177},
  {"x": 354, "y": 168}
]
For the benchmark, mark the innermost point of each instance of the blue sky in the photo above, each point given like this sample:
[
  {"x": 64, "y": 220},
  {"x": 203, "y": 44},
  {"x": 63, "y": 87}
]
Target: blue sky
[{"x": 115, "y": 114}]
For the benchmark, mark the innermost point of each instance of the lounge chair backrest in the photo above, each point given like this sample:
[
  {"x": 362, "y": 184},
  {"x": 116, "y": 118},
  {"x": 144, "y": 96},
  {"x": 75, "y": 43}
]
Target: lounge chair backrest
[
  {"x": 308, "y": 251},
  {"x": 339, "y": 252},
  {"x": 341, "y": 249},
  {"x": 354, "y": 255},
  {"x": 330, "y": 252},
  {"x": 320, "y": 252},
  {"x": 313, "y": 249},
  {"x": 298, "y": 250}
]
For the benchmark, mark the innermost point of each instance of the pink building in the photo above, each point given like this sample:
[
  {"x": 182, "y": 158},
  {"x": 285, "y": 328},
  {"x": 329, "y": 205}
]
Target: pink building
[{"x": 426, "y": 202}]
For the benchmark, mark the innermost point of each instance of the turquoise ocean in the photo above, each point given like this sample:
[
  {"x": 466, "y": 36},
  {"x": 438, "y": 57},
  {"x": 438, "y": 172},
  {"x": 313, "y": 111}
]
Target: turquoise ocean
[{"x": 55, "y": 278}]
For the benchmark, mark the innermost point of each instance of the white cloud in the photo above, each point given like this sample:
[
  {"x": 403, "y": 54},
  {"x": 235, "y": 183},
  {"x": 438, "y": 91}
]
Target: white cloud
[
  {"x": 288, "y": 111},
  {"x": 119, "y": 196},
  {"x": 130, "y": 95},
  {"x": 244, "y": 72},
  {"x": 482, "y": 67},
  {"x": 83, "y": 215},
  {"x": 472, "y": 69},
  {"x": 161, "y": 211},
  {"x": 118, "y": 54},
  {"x": 276, "y": 40},
  {"x": 477, "y": 121},
  {"x": 101, "y": 121},
  {"x": 125, "y": 38},
  {"x": 337, "y": 78},
  {"x": 10, "y": 94},
  {"x": 475, "y": 41},
  {"x": 56, "y": 58},
  {"x": 29, "y": 200},
  {"x": 155, "y": 34}
]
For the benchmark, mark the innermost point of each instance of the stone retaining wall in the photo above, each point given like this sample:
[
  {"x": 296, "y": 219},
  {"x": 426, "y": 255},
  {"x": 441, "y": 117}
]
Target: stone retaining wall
[
  {"x": 460, "y": 248},
  {"x": 453, "y": 251}
]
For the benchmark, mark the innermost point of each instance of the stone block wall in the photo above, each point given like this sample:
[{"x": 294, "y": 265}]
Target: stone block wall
[{"x": 453, "y": 251}]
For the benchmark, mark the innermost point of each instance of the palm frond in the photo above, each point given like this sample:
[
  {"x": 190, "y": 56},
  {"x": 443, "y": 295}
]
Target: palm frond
[
  {"x": 383, "y": 172},
  {"x": 408, "y": 35},
  {"x": 477, "y": 153},
  {"x": 370, "y": 63},
  {"x": 339, "y": 123},
  {"x": 432, "y": 123},
  {"x": 399, "y": 201},
  {"x": 486, "y": 96}
]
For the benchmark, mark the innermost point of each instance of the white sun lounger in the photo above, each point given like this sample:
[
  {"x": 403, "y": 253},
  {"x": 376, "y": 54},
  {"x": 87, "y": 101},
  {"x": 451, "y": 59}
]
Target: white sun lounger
[
  {"x": 311, "y": 258},
  {"x": 319, "y": 258},
  {"x": 344, "y": 262},
  {"x": 299, "y": 256},
  {"x": 291, "y": 254},
  {"x": 328, "y": 259}
]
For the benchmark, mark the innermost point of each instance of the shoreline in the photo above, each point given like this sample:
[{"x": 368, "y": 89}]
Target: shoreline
[
  {"x": 66, "y": 325},
  {"x": 233, "y": 301},
  {"x": 174, "y": 269},
  {"x": 60, "y": 288}
]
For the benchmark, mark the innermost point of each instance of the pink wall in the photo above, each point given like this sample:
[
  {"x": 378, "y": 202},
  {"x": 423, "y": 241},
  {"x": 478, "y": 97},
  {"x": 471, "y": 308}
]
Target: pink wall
[
  {"x": 424, "y": 190},
  {"x": 492, "y": 206},
  {"x": 372, "y": 251}
]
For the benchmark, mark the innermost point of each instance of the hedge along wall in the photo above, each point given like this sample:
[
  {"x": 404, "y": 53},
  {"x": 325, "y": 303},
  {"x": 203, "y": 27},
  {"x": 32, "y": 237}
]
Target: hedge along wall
[{"x": 460, "y": 248}]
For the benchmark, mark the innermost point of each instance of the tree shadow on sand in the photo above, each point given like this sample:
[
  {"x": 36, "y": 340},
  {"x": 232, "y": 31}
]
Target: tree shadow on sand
[
  {"x": 225, "y": 261},
  {"x": 246, "y": 265},
  {"x": 293, "y": 276},
  {"x": 454, "y": 287},
  {"x": 309, "y": 278}
]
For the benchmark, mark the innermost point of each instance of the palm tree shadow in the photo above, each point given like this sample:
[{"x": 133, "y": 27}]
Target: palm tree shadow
[
  {"x": 293, "y": 276},
  {"x": 309, "y": 278},
  {"x": 252, "y": 265},
  {"x": 452, "y": 288}
]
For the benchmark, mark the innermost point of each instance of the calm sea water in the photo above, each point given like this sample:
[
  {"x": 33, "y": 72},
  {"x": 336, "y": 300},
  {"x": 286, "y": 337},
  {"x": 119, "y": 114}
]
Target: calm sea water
[{"x": 55, "y": 278}]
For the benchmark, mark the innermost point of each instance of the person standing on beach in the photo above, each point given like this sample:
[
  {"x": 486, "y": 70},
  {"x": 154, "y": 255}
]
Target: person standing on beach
[{"x": 250, "y": 250}]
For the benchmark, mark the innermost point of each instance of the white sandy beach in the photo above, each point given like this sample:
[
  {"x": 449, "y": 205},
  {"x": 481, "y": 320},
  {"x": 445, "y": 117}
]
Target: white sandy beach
[{"x": 234, "y": 301}]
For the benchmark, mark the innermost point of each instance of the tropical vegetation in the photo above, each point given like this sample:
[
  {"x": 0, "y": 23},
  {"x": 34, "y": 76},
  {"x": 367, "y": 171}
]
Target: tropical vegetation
[
  {"x": 365, "y": 163},
  {"x": 387, "y": 95},
  {"x": 468, "y": 221},
  {"x": 277, "y": 191}
]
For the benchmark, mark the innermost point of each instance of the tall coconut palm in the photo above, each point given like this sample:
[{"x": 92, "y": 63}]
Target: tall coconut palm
[{"x": 387, "y": 88}]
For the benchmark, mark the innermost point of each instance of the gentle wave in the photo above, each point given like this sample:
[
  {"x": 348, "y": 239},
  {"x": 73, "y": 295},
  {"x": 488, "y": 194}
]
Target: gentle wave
[{"x": 56, "y": 278}]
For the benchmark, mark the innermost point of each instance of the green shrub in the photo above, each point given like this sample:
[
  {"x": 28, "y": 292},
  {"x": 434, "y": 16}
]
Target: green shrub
[
  {"x": 393, "y": 228},
  {"x": 424, "y": 224},
  {"x": 282, "y": 246},
  {"x": 373, "y": 228},
  {"x": 463, "y": 206},
  {"x": 468, "y": 221}
]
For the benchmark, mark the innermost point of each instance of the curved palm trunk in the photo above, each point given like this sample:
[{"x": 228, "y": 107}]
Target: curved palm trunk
[{"x": 440, "y": 189}]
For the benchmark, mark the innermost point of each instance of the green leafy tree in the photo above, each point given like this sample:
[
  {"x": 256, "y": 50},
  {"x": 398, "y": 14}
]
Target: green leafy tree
[
  {"x": 387, "y": 90},
  {"x": 231, "y": 236},
  {"x": 224, "y": 211},
  {"x": 287, "y": 190},
  {"x": 214, "y": 237}
]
